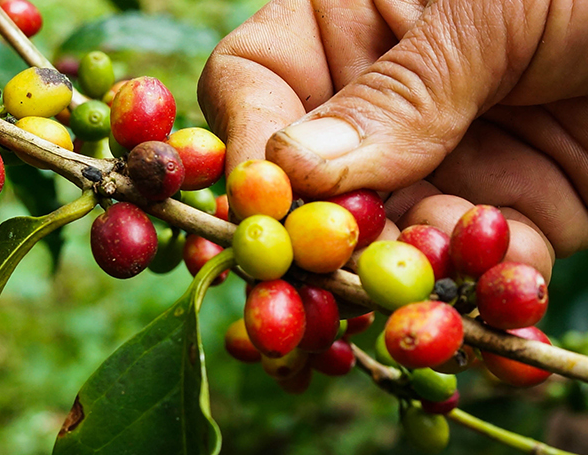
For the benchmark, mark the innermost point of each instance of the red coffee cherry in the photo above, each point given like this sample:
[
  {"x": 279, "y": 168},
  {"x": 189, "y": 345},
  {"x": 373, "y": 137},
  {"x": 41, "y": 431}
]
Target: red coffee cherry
[
  {"x": 511, "y": 295},
  {"x": 203, "y": 155},
  {"x": 156, "y": 170},
  {"x": 433, "y": 243},
  {"x": 322, "y": 319},
  {"x": 142, "y": 110},
  {"x": 197, "y": 252},
  {"x": 441, "y": 407},
  {"x": 238, "y": 344},
  {"x": 517, "y": 373},
  {"x": 24, "y": 14},
  {"x": 424, "y": 334},
  {"x": 274, "y": 318},
  {"x": 360, "y": 324},
  {"x": 2, "y": 174},
  {"x": 368, "y": 210},
  {"x": 479, "y": 240},
  {"x": 338, "y": 360},
  {"x": 222, "y": 207},
  {"x": 123, "y": 240}
]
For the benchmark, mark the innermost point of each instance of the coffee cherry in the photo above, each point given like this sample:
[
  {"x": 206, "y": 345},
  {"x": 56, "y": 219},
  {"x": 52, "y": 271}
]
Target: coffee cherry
[
  {"x": 108, "y": 97},
  {"x": 381, "y": 351},
  {"x": 40, "y": 92},
  {"x": 338, "y": 360},
  {"x": 197, "y": 252},
  {"x": 424, "y": 334},
  {"x": 203, "y": 200},
  {"x": 284, "y": 367},
  {"x": 156, "y": 170},
  {"x": 2, "y": 174},
  {"x": 428, "y": 432},
  {"x": 222, "y": 207},
  {"x": 274, "y": 317},
  {"x": 517, "y": 373},
  {"x": 323, "y": 236},
  {"x": 259, "y": 187},
  {"x": 360, "y": 324},
  {"x": 47, "y": 129},
  {"x": 95, "y": 74},
  {"x": 434, "y": 243},
  {"x": 368, "y": 210},
  {"x": 298, "y": 383},
  {"x": 142, "y": 110},
  {"x": 170, "y": 247},
  {"x": 24, "y": 14},
  {"x": 90, "y": 121},
  {"x": 395, "y": 274},
  {"x": 431, "y": 385},
  {"x": 262, "y": 247},
  {"x": 511, "y": 295},
  {"x": 479, "y": 240},
  {"x": 203, "y": 155},
  {"x": 123, "y": 240},
  {"x": 464, "y": 358},
  {"x": 322, "y": 319},
  {"x": 441, "y": 407},
  {"x": 238, "y": 344}
]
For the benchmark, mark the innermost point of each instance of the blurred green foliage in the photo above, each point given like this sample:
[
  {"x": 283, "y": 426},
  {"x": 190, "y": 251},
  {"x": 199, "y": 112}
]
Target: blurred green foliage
[{"x": 57, "y": 326}]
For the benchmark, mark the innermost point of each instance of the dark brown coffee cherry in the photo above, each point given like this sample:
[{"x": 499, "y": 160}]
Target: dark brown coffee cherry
[
  {"x": 123, "y": 240},
  {"x": 156, "y": 170}
]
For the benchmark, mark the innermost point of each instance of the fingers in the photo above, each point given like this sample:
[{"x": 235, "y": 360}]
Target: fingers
[
  {"x": 395, "y": 122},
  {"x": 526, "y": 245},
  {"x": 286, "y": 60},
  {"x": 492, "y": 167}
]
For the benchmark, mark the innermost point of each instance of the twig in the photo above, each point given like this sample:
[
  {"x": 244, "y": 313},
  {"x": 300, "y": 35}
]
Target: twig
[
  {"x": 345, "y": 284},
  {"x": 390, "y": 380}
]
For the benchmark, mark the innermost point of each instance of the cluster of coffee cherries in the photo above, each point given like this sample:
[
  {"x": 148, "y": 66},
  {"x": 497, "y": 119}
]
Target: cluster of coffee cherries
[
  {"x": 426, "y": 279},
  {"x": 130, "y": 120}
]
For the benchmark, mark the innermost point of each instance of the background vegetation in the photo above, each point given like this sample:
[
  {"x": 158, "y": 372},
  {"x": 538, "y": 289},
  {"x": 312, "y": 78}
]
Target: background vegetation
[{"x": 61, "y": 316}]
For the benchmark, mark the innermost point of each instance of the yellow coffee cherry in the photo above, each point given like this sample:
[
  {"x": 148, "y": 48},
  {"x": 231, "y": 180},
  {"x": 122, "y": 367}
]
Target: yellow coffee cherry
[
  {"x": 47, "y": 129},
  {"x": 40, "y": 92}
]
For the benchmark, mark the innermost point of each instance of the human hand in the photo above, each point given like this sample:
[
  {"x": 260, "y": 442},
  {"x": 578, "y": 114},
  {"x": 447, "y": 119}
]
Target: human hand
[{"x": 445, "y": 104}]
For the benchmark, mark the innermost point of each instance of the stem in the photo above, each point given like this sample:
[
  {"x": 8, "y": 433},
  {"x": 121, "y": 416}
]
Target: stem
[
  {"x": 344, "y": 284},
  {"x": 213, "y": 268},
  {"x": 384, "y": 376},
  {"x": 522, "y": 443},
  {"x": 28, "y": 51}
]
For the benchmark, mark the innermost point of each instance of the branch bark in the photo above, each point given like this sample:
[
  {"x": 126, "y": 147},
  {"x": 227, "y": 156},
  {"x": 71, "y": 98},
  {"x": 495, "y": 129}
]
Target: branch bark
[{"x": 346, "y": 285}]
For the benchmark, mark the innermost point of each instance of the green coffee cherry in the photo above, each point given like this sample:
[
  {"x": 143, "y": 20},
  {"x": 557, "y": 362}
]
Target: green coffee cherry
[
  {"x": 38, "y": 92},
  {"x": 431, "y": 385},
  {"x": 117, "y": 150},
  {"x": 90, "y": 121},
  {"x": 382, "y": 354},
  {"x": 97, "y": 149},
  {"x": 428, "y": 432},
  {"x": 95, "y": 74},
  {"x": 200, "y": 199},
  {"x": 170, "y": 245}
]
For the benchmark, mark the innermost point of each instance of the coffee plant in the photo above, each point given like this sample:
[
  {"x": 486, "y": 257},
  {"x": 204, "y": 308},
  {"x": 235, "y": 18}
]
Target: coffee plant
[{"x": 315, "y": 276}]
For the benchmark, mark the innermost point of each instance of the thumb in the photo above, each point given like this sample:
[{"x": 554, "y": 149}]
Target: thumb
[{"x": 396, "y": 122}]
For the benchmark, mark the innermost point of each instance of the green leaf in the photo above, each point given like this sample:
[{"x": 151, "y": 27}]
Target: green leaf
[
  {"x": 18, "y": 235},
  {"x": 125, "y": 5},
  {"x": 139, "y": 32},
  {"x": 36, "y": 190},
  {"x": 151, "y": 396}
]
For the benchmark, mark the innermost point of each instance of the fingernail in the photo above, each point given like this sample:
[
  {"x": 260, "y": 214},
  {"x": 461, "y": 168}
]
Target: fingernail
[{"x": 328, "y": 137}]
